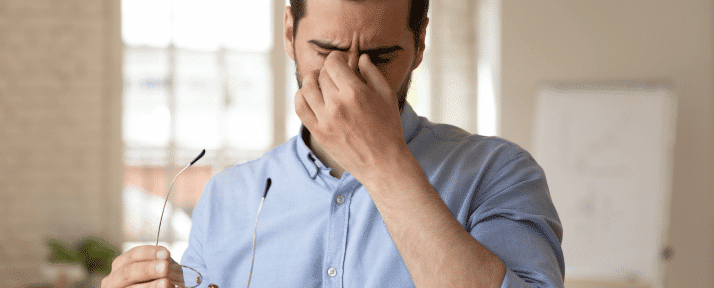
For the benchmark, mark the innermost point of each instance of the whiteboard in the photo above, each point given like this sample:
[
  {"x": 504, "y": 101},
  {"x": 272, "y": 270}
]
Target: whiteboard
[{"x": 607, "y": 151}]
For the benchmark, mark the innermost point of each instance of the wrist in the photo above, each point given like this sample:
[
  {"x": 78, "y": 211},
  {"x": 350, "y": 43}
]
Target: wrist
[{"x": 401, "y": 172}]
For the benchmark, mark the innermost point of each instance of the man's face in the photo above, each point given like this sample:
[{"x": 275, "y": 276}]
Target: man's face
[{"x": 376, "y": 28}]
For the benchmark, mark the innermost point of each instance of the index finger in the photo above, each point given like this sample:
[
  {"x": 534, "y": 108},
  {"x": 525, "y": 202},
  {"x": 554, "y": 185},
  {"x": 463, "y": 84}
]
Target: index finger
[
  {"x": 373, "y": 76},
  {"x": 340, "y": 72},
  {"x": 140, "y": 254}
]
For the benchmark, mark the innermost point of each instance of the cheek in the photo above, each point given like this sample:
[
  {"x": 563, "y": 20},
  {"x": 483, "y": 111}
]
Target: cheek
[
  {"x": 396, "y": 73},
  {"x": 308, "y": 62},
  {"x": 315, "y": 63},
  {"x": 309, "y": 66}
]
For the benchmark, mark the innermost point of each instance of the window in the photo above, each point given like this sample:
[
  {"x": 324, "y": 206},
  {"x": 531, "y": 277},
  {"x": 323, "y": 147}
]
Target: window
[{"x": 202, "y": 75}]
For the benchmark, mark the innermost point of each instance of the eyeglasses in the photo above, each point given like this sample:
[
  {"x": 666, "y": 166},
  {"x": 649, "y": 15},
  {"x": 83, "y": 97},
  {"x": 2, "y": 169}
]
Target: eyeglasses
[{"x": 184, "y": 276}]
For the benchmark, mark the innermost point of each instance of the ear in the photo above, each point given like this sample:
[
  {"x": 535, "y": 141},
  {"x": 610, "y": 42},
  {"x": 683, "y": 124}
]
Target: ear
[
  {"x": 422, "y": 44},
  {"x": 288, "y": 29}
]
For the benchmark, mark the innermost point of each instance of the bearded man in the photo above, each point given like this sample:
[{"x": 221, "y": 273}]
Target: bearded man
[{"x": 368, "y": 194}]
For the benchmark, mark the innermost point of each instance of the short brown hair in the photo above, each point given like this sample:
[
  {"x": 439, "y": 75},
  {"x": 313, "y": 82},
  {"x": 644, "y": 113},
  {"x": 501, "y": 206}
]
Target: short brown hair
[{"x": 418, "y": 10}]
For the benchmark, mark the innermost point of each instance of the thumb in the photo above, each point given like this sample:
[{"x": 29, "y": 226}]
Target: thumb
[{"x": 373, "y": 77}]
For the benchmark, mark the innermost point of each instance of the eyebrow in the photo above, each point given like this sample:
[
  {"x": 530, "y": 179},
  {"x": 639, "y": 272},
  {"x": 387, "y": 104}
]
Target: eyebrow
[{"x": 380, "y": 50}]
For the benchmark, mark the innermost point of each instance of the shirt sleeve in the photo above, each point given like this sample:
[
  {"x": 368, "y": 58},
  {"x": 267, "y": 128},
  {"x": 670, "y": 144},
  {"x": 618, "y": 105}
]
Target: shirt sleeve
[{"x": 515, "y": 219}]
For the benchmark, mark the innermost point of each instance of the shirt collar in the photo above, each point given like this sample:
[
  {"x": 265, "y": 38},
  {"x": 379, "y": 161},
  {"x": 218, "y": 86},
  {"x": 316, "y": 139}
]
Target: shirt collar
[{"x": 411, "y": 124}]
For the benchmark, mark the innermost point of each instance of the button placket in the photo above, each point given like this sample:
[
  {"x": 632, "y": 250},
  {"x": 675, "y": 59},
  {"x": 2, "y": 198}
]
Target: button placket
[{"x": 337, "y": 231}]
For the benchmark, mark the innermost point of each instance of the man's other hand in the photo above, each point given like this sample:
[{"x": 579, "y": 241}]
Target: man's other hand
[{"x": 144, "y": 266}]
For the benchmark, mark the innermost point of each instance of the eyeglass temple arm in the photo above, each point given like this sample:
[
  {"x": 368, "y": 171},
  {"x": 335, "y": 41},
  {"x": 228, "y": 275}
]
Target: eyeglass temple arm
[
  {"x": 267, "y": 186},
  {"x": 169, "y": 193},
  {"x": 198, "y": 157},
  {"x": 255, "y": 231}
]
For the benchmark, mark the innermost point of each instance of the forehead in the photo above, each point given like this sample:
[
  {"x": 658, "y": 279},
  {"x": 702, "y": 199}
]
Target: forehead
[{"x": 371, "y": 22}]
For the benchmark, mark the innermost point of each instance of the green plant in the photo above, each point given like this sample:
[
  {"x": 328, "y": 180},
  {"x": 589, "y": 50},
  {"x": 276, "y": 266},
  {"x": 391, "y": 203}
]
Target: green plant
[
  {"x": 60, "y": 252},
  {"x": 94, "y": 253}
]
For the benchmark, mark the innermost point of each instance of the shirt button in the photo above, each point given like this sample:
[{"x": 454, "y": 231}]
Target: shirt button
[
  {"x": 340, "y": 199},
  {"x": 332, "y": 272}
]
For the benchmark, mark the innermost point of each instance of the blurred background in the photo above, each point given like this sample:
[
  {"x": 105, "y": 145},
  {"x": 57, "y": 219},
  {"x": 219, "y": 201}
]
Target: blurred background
[{"x": 103, "y": 101}]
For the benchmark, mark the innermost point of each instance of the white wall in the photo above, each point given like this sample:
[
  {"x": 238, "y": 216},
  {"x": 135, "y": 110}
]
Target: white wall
[
  {"x": 453, "y": 62},
  {"x": 562, "y": 40}
]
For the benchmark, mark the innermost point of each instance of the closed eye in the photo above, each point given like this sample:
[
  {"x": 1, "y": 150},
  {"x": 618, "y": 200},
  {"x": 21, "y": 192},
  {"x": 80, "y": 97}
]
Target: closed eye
[
  {"x": 378, "y": 55},
  {"x": 379, "y": 59},
  {"x": 375, "y": 58}
]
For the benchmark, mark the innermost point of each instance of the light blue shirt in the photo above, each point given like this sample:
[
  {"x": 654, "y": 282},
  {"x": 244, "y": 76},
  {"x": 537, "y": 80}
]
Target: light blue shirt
[{"x": 316, "y": 230}]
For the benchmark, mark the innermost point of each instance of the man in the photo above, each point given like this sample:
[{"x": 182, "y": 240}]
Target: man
[{"x": 369, "y": 194}]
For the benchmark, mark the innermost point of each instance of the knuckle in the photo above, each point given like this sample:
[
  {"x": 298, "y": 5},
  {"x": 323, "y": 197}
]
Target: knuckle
[
  {"x": 338, "y": 111},
  {"x": 351, "y": 94},
  {"x": 311, "y": 91},
  {"x": 323, "y": 76},
  {"x": 145, "y": 269},
  {"x": 310, "y": 79},
  {"x": 125, "y": 274},
  {"x": 331, "y": 111},
  {"x": 300, "y": 105},
  {"x": 342, "y": 111},
  {"x": 299, "y": 109},
  {"x": 115, "y": 264},
  {"x": 329, "y": 130},
  {"x": 136, "y": 252},
  {"x": 313, "y": 87}
]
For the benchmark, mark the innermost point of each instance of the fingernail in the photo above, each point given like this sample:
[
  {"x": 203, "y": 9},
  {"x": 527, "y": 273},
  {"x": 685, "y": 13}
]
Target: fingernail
[
  {"x": 160, "y": 267},
  {"x": 162, "y": 254},
  {"x": 162, "y": 283}
]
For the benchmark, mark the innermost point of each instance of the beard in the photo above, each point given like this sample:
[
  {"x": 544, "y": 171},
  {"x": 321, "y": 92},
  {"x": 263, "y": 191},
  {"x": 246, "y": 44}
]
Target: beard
[{"x": 401, "y": 92}]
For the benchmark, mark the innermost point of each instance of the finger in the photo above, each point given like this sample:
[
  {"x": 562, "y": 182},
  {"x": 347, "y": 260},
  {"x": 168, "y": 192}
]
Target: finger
[
  {"x": 158, "y": 283},
  {"x": 304, "y": 111},
  {"x": 141, "y": 253},
  {"x": 175, "y": 279},
  {"x": 313, "y": 92},
  {"x": 339, "y": 71},
  {"x": 327, "y": 86},
  {"x": 373, "y": 76},
  {"x": 141, "y": 272}
]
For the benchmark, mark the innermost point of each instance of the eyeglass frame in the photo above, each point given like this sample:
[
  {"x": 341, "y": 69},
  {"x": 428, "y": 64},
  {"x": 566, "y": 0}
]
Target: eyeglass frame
[{"x": 199, "y": 279}]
